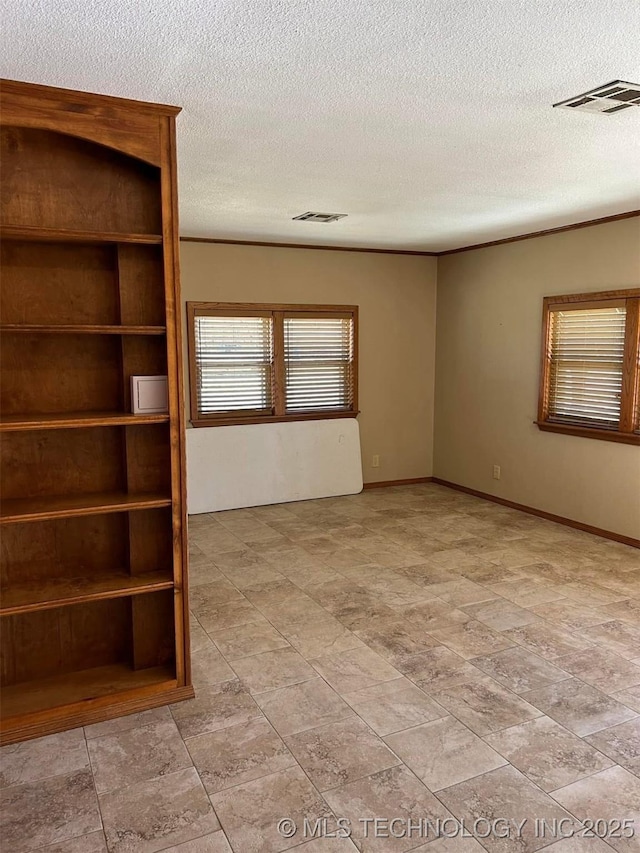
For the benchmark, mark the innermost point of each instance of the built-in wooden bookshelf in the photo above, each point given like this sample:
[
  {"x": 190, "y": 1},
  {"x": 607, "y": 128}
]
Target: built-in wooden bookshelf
[{"x": 93, "y": 612}]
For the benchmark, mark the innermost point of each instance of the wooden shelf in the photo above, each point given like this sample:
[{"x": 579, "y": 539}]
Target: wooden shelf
[
  {"x": 40, "y": 509},
  {"x": 63, "y": 235},
  {"x": 79, "y": 420},
  {"x": 29, "y": 329},
  {"x": 43, "y": 694},
  {"x": 61, "y": 592}
]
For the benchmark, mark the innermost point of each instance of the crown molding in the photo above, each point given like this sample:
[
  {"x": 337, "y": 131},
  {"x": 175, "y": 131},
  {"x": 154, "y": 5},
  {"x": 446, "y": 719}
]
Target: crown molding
[
  {"x": 545, "y": 233},
  {"x": 308, "y": 246},
  {"x": 528, "y": 236}
]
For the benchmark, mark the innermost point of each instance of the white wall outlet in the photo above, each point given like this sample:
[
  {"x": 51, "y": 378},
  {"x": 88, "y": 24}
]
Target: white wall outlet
[
  {"x": 496, "y": 472},
  {"x": 375, "y": 462}
]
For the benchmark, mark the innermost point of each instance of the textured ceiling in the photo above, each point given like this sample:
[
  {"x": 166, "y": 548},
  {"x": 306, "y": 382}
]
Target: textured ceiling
[{"x": 429, "y": 123}]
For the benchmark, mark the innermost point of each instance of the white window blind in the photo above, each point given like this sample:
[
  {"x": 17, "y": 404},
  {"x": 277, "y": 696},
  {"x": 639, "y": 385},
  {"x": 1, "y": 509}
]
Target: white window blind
[
  {"x": 586, "y": 365},
  {"x": 319, "y": 363},
  {"x": 234, "y": 358}
]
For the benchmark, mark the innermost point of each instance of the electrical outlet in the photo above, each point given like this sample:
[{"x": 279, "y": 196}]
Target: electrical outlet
[
  {"x": 496, "y": 472},
  {"x": 375, "y": 462}
]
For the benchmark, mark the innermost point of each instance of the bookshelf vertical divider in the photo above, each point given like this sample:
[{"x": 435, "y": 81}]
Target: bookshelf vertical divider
[{"x": 94, "y": 606}]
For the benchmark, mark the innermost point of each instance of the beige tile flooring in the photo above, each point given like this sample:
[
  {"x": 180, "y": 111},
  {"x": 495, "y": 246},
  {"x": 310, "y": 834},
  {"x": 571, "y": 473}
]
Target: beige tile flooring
[{"x": 409, "y": 653}]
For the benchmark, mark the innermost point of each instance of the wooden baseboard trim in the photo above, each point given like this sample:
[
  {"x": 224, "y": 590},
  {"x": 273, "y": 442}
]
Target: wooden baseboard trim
[
  {"x": 549, "y": 516},
  {"x": 411, "y": 482}
]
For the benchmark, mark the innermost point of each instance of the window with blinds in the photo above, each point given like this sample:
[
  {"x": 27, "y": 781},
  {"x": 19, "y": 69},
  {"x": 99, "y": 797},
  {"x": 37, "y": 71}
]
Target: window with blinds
[
  {"x": 586, "y": 363},
  {"x": 318, "y": 357},
  {"x": 234, "y": 364},
  {"x": 271, "y": 362},
  {"x": 590, "y": 371}
]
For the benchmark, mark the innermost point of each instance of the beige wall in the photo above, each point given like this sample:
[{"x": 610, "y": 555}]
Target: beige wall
[
  {"x": 397, "y": 299},
  {"x": 487, "y": 368}
]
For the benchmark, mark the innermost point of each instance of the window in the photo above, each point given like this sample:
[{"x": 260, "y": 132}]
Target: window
[
  {"x": 249, "y": 364},
  {"x": 234, "y": 357},
  {"x": 318, "y": 359},
  {"x": 590, "y": 378}
]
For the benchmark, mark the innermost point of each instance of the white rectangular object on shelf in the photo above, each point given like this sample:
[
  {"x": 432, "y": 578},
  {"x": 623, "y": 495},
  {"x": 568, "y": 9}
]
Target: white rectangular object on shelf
[
  {"x": 257, "y": 464},
  {"x": 149, "y": 395}
]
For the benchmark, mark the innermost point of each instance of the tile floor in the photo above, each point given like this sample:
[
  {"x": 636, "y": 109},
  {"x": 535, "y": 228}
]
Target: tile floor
[{"x": 408, "y": 653}]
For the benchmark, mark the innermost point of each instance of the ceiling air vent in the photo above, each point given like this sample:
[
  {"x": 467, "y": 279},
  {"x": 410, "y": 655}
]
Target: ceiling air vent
[
  {"x": 611, "y": 98},
  {"x": 310, "y": 216}
]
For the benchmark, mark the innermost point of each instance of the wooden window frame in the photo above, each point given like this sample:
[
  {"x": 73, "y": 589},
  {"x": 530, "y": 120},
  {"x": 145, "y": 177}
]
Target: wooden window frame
[
  {"x": 277, "y": 312},
  {"x": 628, "y": 430}
]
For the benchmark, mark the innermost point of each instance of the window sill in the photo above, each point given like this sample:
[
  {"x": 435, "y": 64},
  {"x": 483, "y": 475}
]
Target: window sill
[
  {"x": 270, "y": 419},
  {"x": 590, "y": 432}
]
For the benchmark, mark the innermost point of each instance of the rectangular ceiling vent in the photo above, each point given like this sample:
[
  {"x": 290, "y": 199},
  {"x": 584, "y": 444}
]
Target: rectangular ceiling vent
[
  {"x": 611, "y": 98},
  {"x": 310, "y": 216}
]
